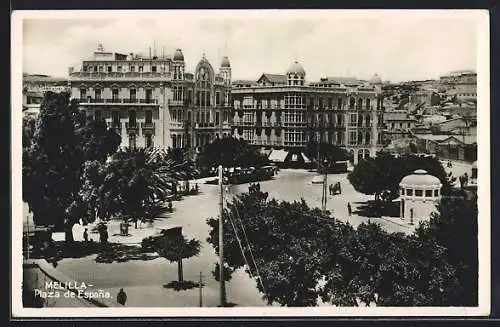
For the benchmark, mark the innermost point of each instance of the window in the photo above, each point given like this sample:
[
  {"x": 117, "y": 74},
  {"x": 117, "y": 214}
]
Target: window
[
  {"x": 95, "y": 69},
  {"x": 132, "y": 141},
  {"x": 353, "y": 119},
  {"x": 402, "y": 191},
  {"x": 141, "y": 69},
  {"x": 84, "y": 68},
  {"x": 133, "y": 94},
  {"x": 149, "y": 117},
  {"x": 149, "y": 140},
  {"x": 115, "y": 117},
  {"x": 217, "y": 118},
  {"x": 97, "y": 115},
  {"x": 339, "y": 103},
  {"x": 149, "y": 95},
  {"x": 132, "y": 118},
  {"x": 83, "y": 94},
  {"x": 132, "y": 68},
  {"x": 101, "y": 69},
  {"x": 110, "y": 69},
  {"x": 153, "y": 69},
  {"x": 360, "y": 103},
  {"x": 217, "y": 98},
  {"x": 119, "y": 69},
  {"x": 428, "y": 193},
  {"x": 353, "y": 137},
  {"x": 115, "y": 94},
  {"x": 98, "y": 93},
  {"x": 419, "y": 193},
  {"x": 436, "y": 193},
  {"x": 409, "y": 192},
  {"x": 225, "y": 116},
  {"x": 368, "y": 107},
  {"x": 352, "y": 103}
]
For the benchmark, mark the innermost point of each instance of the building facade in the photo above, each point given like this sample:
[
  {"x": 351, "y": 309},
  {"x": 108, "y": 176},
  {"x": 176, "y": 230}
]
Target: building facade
[
  {"x": 154, "y": 101},
  {"x": 35, "y": 86},
  {"x": 285, "y": 112}
]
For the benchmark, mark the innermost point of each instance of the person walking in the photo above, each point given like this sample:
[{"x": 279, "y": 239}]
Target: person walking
[
  {"x": 349, "y": 209},
  {"x": 85, "y": 235},
  {"x": 121, "y": 297}
]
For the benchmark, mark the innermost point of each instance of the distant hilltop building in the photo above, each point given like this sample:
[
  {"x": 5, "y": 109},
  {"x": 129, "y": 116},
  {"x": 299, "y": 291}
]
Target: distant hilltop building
[
  {"x": 152, "y": 100},
  {"x": 34, "y": 87},
  {"x": 285, "y": 112},
  {"x": 461, "y": 85}
]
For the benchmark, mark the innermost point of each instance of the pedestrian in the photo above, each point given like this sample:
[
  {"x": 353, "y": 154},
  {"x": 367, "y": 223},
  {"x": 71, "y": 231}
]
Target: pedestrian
[
  {"x": 121, "y": 297},
  {"x": 85, "y": 235},
  {"x": 349, "y": 209}
]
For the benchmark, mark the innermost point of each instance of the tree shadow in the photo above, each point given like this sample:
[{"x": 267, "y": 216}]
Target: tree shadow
[
  {"x": 106, "y": 252},
  {"x": 377, "y": 209},
  {"x": 182, "y": 286}
]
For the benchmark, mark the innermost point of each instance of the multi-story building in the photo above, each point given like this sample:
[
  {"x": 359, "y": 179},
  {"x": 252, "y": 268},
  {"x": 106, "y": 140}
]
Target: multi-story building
[
  {"x": 397, "y": 125},
  {"x": 284, "y": 112},
  {"x": 153, "y": 101},
  {"x": 34, "y": 87},
  {"x": 461, "y": 85}
]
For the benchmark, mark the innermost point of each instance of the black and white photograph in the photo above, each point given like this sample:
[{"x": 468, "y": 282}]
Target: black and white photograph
[{"x": 250, "y": 162}]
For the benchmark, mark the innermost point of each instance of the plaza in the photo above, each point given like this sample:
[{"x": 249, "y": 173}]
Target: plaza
[{"x": 144, "y": 280}]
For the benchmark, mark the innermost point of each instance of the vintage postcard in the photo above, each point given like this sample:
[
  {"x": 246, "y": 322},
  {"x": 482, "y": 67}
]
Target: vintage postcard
[{"x": 250, "y": 163}]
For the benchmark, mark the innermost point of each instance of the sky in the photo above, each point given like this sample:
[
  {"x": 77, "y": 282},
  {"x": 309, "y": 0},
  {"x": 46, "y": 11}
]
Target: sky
[{"x": 398, "y": 45}]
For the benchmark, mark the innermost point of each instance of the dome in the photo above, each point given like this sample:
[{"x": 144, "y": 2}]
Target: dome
[
  {"x": 376, "y": 79},
  {"x": 178, "y": 56},
  {"x": 296, "y": 68},
  {"x": 225, "y": 62},
  {"x": 474, "y": 165},
  {"x": 421, "y": 178}
]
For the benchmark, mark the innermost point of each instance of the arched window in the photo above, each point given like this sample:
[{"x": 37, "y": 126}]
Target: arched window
[
  {"x": 352, "y": 103},
  {"x": 368, "y": 104},
  {"x": 360, "y": 103},
  {"x": 174, "y": 141}
]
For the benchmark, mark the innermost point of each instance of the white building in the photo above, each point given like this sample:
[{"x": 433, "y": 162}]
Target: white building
[{"x": 420, "y": 192}]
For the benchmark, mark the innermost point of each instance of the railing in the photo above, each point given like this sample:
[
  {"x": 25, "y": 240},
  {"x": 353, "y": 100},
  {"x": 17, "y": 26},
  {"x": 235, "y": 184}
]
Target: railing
[
  {"x": 131, "y": 126},
  {"x": 176, "y": 102},
  {"x": 116, "y": 75},
  {"x": 294, "y": 124},
  {"x": 148, "y": 126},
  {"x": 126, "y": 101}
]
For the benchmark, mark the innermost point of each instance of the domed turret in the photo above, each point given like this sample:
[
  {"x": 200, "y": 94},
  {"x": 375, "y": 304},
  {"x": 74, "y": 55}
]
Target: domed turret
[
  {"x": 420, "y": 178},
  {"x": 296, "y": 68},
  {"x": 225, "y": 62},
  {"x": 296, "y": 74},
  {"x": 178, "y": 56},
  {"x": 376, "y": 80}
]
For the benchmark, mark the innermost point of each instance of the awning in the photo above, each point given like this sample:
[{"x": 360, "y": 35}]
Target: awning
[
  {"x": 278, "y": 155},
  {"x": 306, "y": 160}
]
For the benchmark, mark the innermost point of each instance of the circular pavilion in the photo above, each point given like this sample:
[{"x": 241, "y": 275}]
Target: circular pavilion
[{"x": 419, "y": 192}]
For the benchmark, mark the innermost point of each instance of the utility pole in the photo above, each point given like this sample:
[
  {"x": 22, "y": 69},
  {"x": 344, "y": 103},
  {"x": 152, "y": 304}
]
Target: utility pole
[
  {"x": 221, "y": 241},
  {"x": 201, "y": 292},
  {"x": 27, "y": 237},
  {"x": 325, "y": 188}
]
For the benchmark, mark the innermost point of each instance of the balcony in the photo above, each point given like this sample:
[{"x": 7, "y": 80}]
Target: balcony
[
  {"x": 132, "y": 127},
  {"x": 150, "y": 126},
  {"x": 128, "y": 76},
  {"x": 119, "y": 101},
  {"x": 176, "y": 102},
  {"x": 206, "y": 125}
]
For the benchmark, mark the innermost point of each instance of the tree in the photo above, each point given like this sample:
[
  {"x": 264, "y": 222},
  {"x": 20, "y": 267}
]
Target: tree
[
  {"x": 328, "y": 151},
  {"x": 133, "y": 183},
  {"x": 296, "y": 256},
  {"x": 175, "y": 249},
  {"x": 381, "y": 175},
  {"x": 454, "y": 227},
  {"x": 231, "y": 152},
  {"x": 53, "y": 162}
]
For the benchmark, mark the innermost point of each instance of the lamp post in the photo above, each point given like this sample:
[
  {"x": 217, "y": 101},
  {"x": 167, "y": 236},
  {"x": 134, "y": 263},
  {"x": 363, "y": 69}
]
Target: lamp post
[{"x": 325, "y": 185}]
